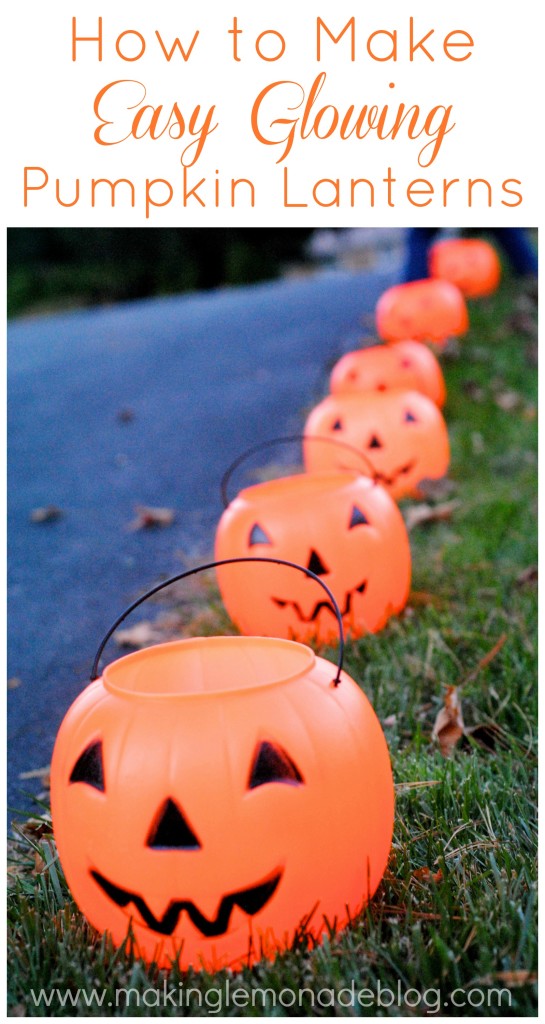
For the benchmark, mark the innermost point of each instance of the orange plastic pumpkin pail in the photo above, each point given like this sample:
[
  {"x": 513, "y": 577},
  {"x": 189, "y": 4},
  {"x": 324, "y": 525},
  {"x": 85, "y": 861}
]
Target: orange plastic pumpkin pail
[
  {"x": 402, "y": 433},
  {"x": 212, "y": 794},
  {"x": 341, "y": 525},
  {"x": 470, "y": 263},
  {"x": 405, "y": 364},
  {"x": 429, "y": 310}
]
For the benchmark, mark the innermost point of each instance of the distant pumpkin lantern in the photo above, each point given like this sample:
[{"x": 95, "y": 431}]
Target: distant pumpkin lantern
[
  {"x": 402, "y": 433},
  {"x": 213, "y": 794},
  {"x": 407, "y": 364},
  {"x": 470, "y": 263},
  {"x": 428, "y": 310},
  {"x": 343, "y": 527}
]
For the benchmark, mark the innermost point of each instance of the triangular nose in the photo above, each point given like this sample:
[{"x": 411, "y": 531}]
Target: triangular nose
[
  {"x": 374, "y": 442},
  {"x": 316, "y": 565},
  {"x": 170, "y": 830}
]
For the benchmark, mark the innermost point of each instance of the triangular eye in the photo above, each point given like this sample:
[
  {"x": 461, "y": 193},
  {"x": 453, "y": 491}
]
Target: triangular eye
[
  {"x": 358, "y": 518},
  {"x": 337, "y": 425},
  {"x": 272, "y": 764},
  {"x": 374, "y": 442},
  {"x": 89, "y": 767},
  {"x": 409, "y": 417},
  {"x": 316, "y": 565},
  {"x": 170, "y": 830},
  {"x": 258, "y": 536}
]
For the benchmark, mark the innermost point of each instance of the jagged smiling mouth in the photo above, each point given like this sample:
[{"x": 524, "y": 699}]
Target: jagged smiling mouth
[
  {"x": 382, "y": 478},
  {"x": 251, "y": 901},
  {"x": 321, "y": 604}
]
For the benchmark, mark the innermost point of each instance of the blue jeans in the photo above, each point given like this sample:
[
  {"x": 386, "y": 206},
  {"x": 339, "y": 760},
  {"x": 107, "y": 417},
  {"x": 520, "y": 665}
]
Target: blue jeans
[{"x": 514, "y": 242}]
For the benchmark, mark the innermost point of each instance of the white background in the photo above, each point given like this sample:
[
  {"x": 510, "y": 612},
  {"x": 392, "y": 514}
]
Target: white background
[{"x": 50, "y": 121}]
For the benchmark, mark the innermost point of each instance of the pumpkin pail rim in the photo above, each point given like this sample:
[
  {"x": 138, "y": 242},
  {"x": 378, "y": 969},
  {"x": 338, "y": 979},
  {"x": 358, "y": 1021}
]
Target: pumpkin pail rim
[
  {"x": 207, "y": 667},
  {"x": 309, "y": 484}
]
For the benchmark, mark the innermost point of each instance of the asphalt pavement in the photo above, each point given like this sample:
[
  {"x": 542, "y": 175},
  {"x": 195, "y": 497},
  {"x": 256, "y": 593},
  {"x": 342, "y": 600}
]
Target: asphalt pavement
[{"x": 146, "y": 402}]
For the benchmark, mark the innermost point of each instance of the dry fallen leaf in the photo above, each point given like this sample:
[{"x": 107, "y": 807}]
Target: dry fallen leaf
[
  {"x": 513, "y": 979},
  {"x": 37, "y": 773},
  {"x": 143, "y": 634},
  {"x": 526, "y": 299},
  {"x": 522, "y": 322},
  {"x": 36, "y": 828},
  {"x": 451, "y": 349},
  {"x": 485, "y": 660},
  {"x": 39, "y": 863},
  {"x": 147, "y": 517},
  {"x": 417, "y": 515},
  {"x": 125, "y": 415},
  {"x": 436, "y": 490},
  {"x": 422, "y": 599},
  {"x": 488, "y": 736},
  {"x": 449, "y": 724},
  {"x": 46, "y": 514},
  {"x": 473, "y": 390},
  {"x": 425, "y": 874},
  {"x": 508, "y": 400},
  {"x": 528, "y": 575}
]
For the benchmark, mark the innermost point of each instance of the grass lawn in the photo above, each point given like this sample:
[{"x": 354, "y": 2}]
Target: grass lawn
[{"x": 455, "y": 918}]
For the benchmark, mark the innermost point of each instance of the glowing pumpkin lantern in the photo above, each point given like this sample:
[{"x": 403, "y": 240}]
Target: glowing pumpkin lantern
[
  {"x": 407, "y": 364},
  {"x": 429, "y": 310},
  {"x": 343, "y": 527},
  {"x": 213, "y": 793},
  {"x": 470, "y": 263},
  {"x": 402, "y": 433}
]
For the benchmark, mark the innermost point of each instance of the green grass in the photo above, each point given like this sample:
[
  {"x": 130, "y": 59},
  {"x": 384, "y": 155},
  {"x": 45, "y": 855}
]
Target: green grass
[{"x": 469, "y": 923}]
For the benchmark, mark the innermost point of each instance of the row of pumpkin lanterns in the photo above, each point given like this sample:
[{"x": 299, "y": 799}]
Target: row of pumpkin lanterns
[{"x": 215, "y": 793}]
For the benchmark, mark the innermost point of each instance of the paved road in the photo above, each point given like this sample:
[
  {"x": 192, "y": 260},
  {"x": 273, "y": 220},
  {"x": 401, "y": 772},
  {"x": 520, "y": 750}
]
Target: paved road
[{"x": 206, "y": 376}]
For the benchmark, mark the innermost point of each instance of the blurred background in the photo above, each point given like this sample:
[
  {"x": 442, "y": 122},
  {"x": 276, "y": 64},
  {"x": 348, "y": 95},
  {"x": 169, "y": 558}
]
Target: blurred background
[
  {"x": 61, "y": 268},
  {"x": 54, "y": 267}
]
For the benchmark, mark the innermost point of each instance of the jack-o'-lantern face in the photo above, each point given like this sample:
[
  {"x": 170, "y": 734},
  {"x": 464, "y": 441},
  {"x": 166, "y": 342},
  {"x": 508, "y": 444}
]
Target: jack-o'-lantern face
[
  {"x": 402, "y": 433},
  {"x": 406, "y": 364},
  {"x": 428, "y": 310},
  {"x": 341, "y": 526},
  {"x": 470, "y": 263},
  {"x": 203, "y": 796}
]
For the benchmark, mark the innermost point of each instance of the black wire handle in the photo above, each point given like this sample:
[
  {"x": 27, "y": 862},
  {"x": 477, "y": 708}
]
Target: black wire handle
[
  {"x": 284, "y": 440},
  {"x": 213, "y": 565}
]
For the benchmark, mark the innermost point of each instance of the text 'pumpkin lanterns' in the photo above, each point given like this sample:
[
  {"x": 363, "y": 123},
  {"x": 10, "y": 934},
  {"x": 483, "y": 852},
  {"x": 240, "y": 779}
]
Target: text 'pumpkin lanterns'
[
  {"x": 402, "y": 433},
  {"x": 405, "y": 364},
  {"x": 343, "y": 527},
  {"x": 213, "y": 792},
  {"x": 429, "y": 310},
  {"x": 470, "y": 263}
]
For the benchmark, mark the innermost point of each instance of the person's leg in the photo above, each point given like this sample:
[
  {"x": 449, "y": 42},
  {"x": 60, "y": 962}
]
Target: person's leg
[
  {"x": 416, "y": 260},
  {"x": 518, "y": 249}
]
